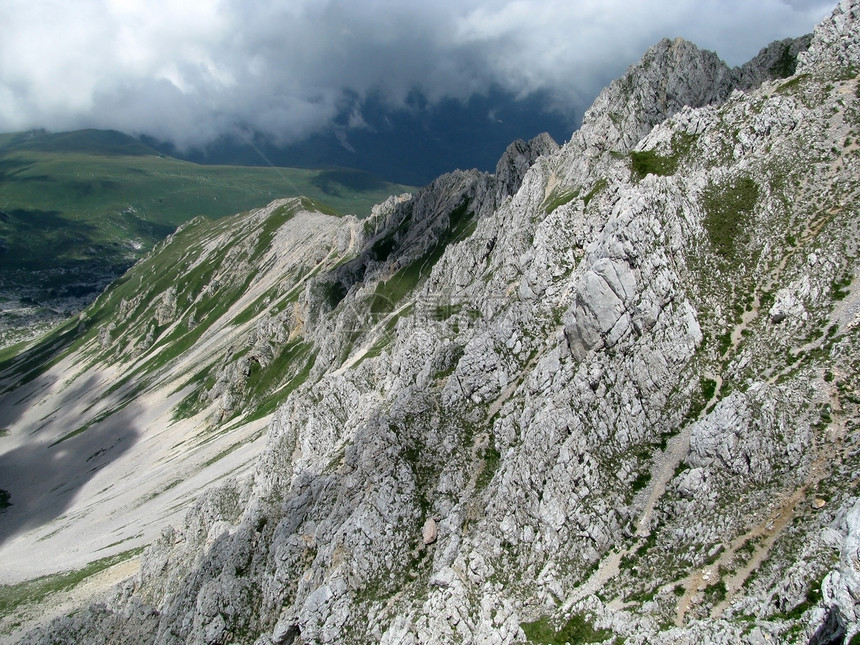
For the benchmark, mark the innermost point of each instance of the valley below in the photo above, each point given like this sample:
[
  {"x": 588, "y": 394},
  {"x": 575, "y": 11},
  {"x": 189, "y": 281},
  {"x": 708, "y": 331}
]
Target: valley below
[{"x": 78, "y": 209}]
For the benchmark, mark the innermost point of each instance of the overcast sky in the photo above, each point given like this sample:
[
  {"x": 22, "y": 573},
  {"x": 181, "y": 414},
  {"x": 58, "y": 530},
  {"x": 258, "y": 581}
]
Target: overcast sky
[{"x": 187, "y": 71}]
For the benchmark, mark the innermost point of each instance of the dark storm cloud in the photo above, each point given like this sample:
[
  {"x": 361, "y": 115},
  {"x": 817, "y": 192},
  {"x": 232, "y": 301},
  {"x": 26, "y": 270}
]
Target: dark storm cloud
[{"x": 190, "y": 71}]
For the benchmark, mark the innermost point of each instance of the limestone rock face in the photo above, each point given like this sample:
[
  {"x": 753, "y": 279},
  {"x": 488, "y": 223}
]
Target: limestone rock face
[
  {"x": 672, "y": 75},
  {"x": 597, "y": 392},
  {"x": 836, "y": 42},
  {"x": 517, "y": 159},
  {"x": 839, "y": 613}
]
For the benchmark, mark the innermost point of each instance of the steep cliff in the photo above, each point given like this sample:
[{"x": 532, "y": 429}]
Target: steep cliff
[{"x": 609, "y": 392}]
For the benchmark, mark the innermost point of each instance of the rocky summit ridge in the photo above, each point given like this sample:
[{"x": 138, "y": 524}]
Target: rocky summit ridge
[{"x": 607, "y": 394}]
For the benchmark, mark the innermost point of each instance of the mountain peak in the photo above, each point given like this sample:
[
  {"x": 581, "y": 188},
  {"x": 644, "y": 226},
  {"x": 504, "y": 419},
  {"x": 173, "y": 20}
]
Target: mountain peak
[
  {"x": 835, "y": 46},
  {"x": 518, "y": 157},
  {"x": 672, "y": 75}
]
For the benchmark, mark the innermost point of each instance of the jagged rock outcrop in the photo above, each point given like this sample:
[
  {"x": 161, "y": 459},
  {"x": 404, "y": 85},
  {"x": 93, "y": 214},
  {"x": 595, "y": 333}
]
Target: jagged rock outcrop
[
  {"x": 614, "y": 395},
  {"x": 839, "y": 613},
  {"x": 515, "y": 162},
  {"x": 672, "y": 75},
  {"x": 777, "y": 60},
  {"x": 836, "y": 41}
]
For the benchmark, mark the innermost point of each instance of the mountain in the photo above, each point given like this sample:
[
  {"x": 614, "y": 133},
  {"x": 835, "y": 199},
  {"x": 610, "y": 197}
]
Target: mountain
[
  {"x": 108, "y": 143},
  {"x": 79, "y": 208},
  {"x": 608, "y": 393},
  {"x": 411, "y": 145}
]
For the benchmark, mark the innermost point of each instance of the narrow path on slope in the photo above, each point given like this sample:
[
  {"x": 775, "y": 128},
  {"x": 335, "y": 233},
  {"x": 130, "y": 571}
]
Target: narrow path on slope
[
  {"x": 607, "y": 570},
  {"x": 760, "y": 539},
  {"x": 661, "y": 474},
  {"x": 496, "y": 405}
]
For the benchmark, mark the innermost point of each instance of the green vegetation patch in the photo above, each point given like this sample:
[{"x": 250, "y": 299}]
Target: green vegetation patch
[
  {"x": 728, "y": 208},
  {"x": 839, "y": 288},
  {"x": 262, "y": 380},
  {"x": 252, "y": 310},
  {"x": 294, "y": 365},
  {"x": 443, "y": 312},
  {"x": 91, "y": 203},
  {"x": 709, "y": 387},
  {"x": 599, "y": 185},
  {"x": 786, "y": 64},
  {"x": 36, "y": 590},
  {"x": 343, "y": 182},
  {"x": 334, "y": 293},
  {"x": 461, "y": 224},
  {"x": 792, "y": 84},
  {"x": 320, "y": 207},
  {"x": 559, "y": 198},
  {"x": 202, "y": 294},
  {"x": 392, "y": 291},
  {"x": 811, "y": 599},
  {"x": 11, "y": 351},
  {"x": 376, "y": 350},
  {"x": 181, "y": 339},
  {"x": 195, "y": 401},
  {"x": 492, "y": 458},
  {"x": 382, "y": 249},
  {"x": 641, "y": 481},
  {"x": 649, "y": 162},
  {"x": 384, "y": 246},
  {"x": 576, "y": 630},
  {"x": 41, "y": 356},
  {"x": 450, "y": 364}
]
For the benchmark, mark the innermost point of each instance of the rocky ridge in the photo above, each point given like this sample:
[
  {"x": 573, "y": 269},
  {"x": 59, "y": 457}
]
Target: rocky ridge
[
  {"x": 122, "y": 401},
  {"x": 610, "y": 391}
]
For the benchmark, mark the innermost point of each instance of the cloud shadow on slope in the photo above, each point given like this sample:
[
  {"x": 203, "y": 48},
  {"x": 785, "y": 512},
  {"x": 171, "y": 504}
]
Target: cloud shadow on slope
[{"x": 44, "y": 476}]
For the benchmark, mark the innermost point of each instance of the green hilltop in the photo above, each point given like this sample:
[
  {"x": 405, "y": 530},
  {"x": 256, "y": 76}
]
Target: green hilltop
[{"x": 78, "y": 208}]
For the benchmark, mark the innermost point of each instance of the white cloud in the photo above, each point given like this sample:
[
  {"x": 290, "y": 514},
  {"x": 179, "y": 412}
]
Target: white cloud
[{"x": 192, "y": 70}]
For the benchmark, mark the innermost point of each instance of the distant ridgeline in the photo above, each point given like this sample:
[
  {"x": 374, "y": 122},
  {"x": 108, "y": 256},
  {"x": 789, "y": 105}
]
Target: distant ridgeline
[
  {"x": 77, "y": 209},
  {"x": 411, "y": 145}
]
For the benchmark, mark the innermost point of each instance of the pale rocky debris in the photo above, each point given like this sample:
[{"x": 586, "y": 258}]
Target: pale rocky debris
[{"x": 429, "y": 532}]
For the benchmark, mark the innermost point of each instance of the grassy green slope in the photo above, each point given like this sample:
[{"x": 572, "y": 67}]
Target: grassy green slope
[
  {"x": 73, "y": 202},
  {"x": 206, "y": 266}
]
